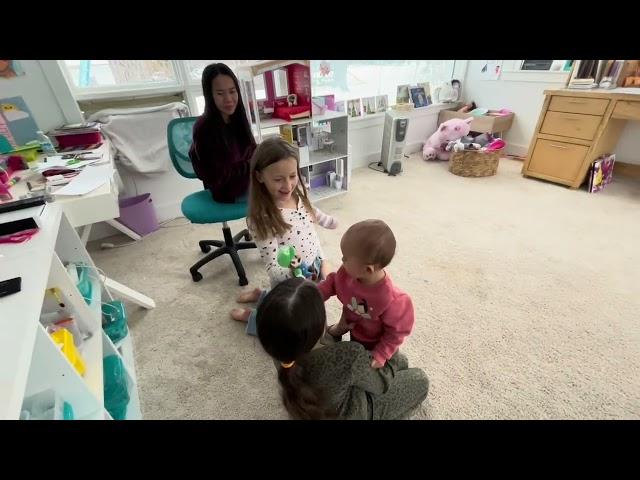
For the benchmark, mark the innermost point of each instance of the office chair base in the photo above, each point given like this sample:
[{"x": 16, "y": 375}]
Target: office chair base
[{"x": 230, "y": 247}]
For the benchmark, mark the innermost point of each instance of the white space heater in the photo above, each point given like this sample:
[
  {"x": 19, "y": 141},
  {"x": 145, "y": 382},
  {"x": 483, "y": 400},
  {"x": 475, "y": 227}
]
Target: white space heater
[{"x": 393, "y": 141}]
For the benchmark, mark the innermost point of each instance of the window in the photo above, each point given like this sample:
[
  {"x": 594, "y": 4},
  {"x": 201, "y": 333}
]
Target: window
[
  {"x": 348, "y": 79},
  {"x": 261, "y": 91},
  {"x": 94, "y": 75},
  {"x": 546, "y": 65},
  {"x": 280, "y": 82}
]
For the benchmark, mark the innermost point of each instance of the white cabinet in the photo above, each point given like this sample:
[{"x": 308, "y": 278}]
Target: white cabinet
[{"x": 31, "y": 362}]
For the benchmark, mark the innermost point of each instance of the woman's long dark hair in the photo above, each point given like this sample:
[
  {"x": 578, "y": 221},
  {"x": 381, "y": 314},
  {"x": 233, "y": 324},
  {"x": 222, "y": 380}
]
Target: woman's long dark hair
[
  {"x": 238, "y": 120},
  {"x": 290, "y": 320}
]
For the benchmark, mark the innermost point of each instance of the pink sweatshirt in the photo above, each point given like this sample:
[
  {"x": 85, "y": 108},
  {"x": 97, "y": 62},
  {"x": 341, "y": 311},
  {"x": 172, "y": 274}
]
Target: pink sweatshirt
[{"x": 383, "y": 314}]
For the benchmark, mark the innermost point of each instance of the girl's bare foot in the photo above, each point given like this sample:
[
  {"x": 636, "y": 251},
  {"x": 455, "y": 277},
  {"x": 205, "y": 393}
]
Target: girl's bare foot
[
  {"x": 240, "y": 314},
  {"x": 249, "y": 296}
]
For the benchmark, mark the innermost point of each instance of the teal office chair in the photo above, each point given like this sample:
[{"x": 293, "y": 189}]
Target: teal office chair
[{"x": 199, "y": 207}]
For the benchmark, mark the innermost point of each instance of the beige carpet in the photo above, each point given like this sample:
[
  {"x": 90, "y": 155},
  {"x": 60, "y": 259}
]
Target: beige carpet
[{"x": 526, "y": 293}]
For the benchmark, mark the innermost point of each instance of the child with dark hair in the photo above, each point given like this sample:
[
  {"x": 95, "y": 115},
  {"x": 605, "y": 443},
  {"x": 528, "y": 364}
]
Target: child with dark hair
[
  {"x": 378, "y": 314},
  {"x": 334, "y": 381}
]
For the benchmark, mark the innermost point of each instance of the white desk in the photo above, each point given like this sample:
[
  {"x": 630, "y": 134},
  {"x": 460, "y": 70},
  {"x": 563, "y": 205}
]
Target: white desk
[{"x": 100, "y": 205}]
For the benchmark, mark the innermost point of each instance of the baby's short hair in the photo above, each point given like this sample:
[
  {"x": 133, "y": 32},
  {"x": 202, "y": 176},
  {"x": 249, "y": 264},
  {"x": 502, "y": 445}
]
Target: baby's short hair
[{"x": 373, "y": 241}]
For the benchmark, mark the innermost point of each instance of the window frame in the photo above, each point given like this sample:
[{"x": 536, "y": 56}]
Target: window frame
[{"x": 129, "y": 90}]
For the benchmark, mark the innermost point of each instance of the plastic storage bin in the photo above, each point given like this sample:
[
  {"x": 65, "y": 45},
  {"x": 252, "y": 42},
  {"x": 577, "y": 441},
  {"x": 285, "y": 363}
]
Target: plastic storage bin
[{"x": 139, "y": 214}]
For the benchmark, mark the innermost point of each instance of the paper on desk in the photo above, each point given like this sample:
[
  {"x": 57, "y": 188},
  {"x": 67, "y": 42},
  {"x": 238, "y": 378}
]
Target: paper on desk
[
  {"x": 88, "y": 180},
  {"x": 58, "y": 162},
  {"x": 55, "y": 161}
]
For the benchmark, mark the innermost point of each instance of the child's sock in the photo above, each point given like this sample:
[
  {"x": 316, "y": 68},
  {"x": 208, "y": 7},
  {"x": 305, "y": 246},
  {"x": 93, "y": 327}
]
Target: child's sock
[{"x": 240, "y": 314}]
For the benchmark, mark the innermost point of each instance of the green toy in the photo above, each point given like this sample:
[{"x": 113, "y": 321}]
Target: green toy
[{"x": 287, "y": 258}]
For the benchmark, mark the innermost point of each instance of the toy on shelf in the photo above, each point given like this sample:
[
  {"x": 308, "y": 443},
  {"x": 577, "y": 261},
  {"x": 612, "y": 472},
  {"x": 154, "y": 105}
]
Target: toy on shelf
[
  {"x": 451, "y": 130},
  {"x": 287, "y": 258},
  {"x": 327, "y": 143},
  {"x": 64, "y": 339}
]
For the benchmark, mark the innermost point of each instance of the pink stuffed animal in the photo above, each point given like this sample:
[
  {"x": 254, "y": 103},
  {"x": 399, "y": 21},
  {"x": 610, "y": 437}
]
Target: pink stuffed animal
[{"x": 451, "y": 130}]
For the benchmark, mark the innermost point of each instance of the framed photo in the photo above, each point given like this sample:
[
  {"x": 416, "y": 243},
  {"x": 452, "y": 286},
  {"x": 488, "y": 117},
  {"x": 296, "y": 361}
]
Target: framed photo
[
  {"x": 354, "y": 108},
  {"x": 369, "y": 105},
  {"x": 382, "y": 103},
  {"x": 402, "y": 96},
  {"x": 419, "y": 97},
  {"x": 427, "y": 91}
]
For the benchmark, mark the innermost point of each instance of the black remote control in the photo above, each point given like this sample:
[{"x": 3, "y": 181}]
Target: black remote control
[
  {"x": 13, "y": 285},
  {"x": 22, "y": 203}
]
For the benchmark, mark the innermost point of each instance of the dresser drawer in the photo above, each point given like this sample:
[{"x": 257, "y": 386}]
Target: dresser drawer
[
  {"x": 557, "y": 159},
  {"x": 570, "y": 125},
  {"x": 588, "y": 106},
  {"x": 628, "y": 110}
]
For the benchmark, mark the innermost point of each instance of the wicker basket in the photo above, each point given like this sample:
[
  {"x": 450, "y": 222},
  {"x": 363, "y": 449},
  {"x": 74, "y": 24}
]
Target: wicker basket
[{"x": 474, "y": 163}]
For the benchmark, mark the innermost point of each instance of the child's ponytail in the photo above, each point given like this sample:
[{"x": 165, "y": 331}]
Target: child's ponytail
[
  {"x": 301, "y": 400},
  {"x": 290, "y": 320}
]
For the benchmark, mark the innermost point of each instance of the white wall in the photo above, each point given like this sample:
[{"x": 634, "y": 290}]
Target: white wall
[
  {"x": 34, "y": 88},
  {"x": 365, "y": 134},
  {"x": 525, "y": 98}
]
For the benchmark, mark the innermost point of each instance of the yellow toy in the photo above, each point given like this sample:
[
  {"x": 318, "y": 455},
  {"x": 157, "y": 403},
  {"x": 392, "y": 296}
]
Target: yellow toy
[{"x": 64, "y": 339}]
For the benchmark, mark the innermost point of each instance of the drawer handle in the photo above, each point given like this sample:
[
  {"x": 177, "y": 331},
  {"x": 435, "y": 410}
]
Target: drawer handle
[
  {"x": 576, "y": 102},
  {"x": 558, "y": 146},
  {"x": 572, "y": 119}
]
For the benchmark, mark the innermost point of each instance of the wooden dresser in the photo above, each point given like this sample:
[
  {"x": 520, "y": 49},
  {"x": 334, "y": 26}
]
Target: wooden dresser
[{"x": 576, "y": 127}]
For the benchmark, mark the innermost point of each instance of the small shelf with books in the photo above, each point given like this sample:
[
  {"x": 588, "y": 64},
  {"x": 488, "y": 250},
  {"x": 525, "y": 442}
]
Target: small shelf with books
[{"x": 588, "y": 74}]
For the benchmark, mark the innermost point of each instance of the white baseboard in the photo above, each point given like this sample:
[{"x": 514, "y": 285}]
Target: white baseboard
[
  {"x": 413, "y": 147},
  {"x": 517, "y": 149},
  {"x": 363, "y": 161}
]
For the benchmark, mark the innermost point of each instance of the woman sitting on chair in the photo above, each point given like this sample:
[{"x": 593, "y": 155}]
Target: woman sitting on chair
[{"x": 223, "y": 143}]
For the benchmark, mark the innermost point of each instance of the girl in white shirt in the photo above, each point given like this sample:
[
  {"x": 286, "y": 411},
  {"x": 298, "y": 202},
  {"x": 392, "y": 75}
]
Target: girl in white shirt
[{"x": 281, "y": 215}]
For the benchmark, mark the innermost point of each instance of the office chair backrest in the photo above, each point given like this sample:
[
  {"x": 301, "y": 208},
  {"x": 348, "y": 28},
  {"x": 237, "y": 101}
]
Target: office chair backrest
[{"x": 179, "y": 138}]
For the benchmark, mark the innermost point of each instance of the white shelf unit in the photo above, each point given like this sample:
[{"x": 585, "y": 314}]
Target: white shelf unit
[
  {"x": 30, "y": 361},
  {"x": 315, "y": 162}
]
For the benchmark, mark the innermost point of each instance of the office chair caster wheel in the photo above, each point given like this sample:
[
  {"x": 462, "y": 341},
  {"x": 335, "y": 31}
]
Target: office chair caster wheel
[
  {"x": 205, "y": 248},
  {"x": 197, "y": 276},
  {"x": 243, "y": 281},
  {"x": 248, "y": 237}
]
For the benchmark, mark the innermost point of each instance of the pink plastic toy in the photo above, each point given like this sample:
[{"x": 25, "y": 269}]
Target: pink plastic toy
[{"x": 450, "y": 130}]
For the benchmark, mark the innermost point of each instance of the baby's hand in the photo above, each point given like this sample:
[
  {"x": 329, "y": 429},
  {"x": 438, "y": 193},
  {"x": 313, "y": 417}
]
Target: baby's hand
[
  {"x": 340, "y": 328},
  {"x": 376, "y": 364}
]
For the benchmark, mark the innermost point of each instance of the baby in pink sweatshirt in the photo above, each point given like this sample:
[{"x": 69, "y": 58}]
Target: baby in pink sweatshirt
[{"x": 378, "y": 314}]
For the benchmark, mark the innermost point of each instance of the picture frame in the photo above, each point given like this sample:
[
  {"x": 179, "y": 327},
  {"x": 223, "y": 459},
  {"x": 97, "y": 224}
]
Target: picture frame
[
  {"x": 354, "y": 108},
  {"x": 382, "y": 103},
  {"x": 369, "y": 106},
  {"x": 402, "y": 96},
  {"x": 418, "y": 97}
]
